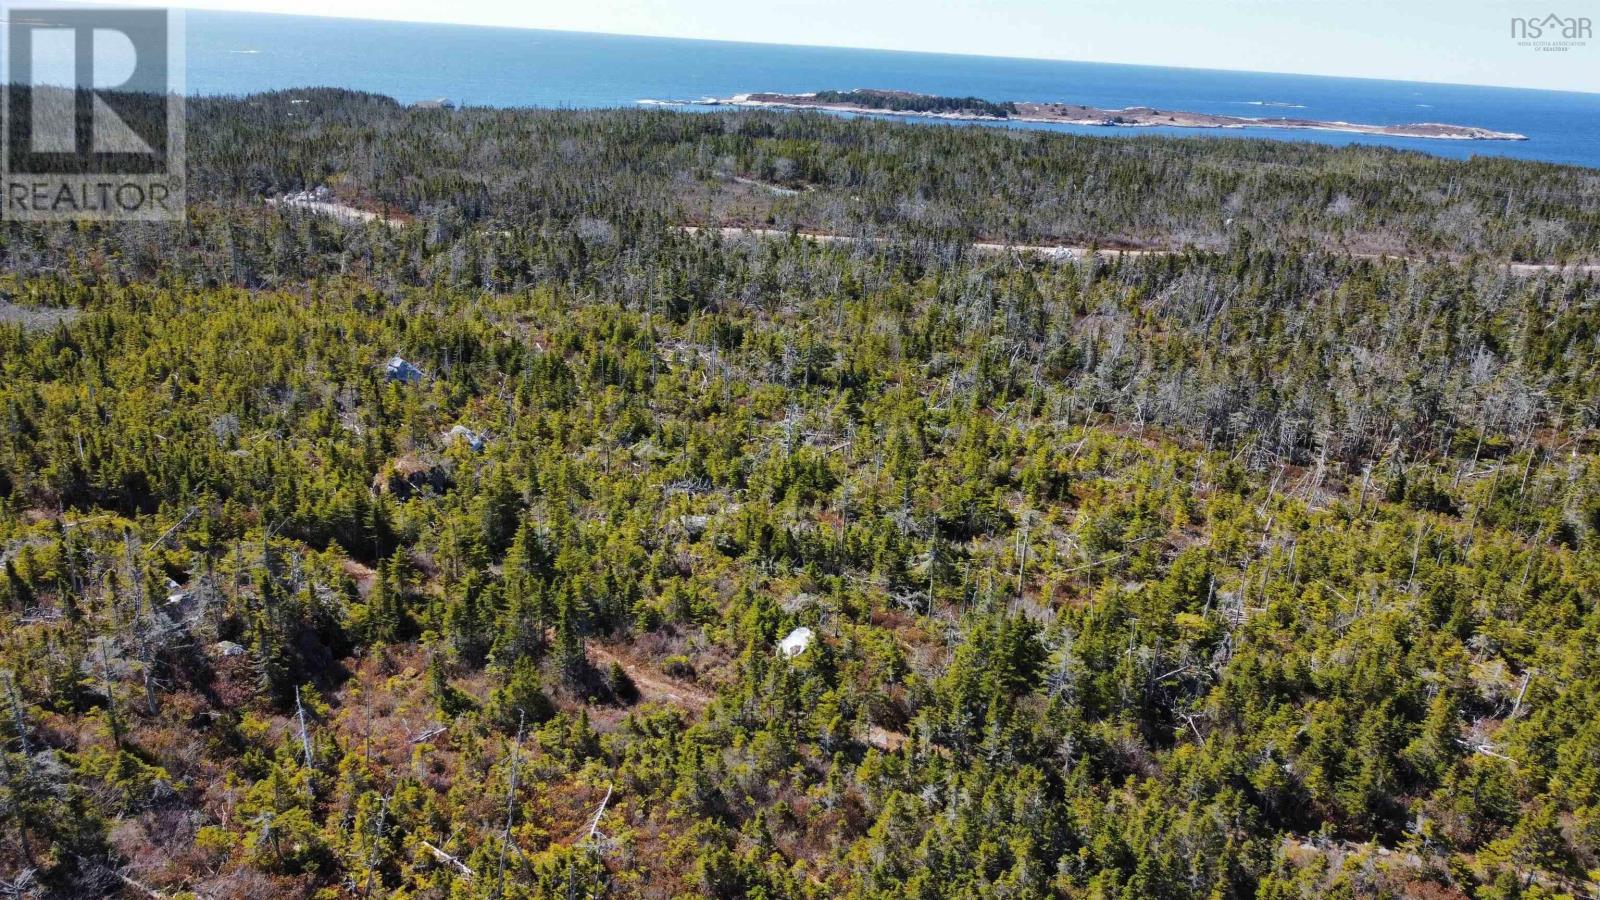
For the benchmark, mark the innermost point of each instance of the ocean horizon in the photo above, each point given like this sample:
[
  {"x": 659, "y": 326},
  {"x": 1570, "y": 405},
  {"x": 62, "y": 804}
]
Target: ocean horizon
[{"x": 244, "y": 53}]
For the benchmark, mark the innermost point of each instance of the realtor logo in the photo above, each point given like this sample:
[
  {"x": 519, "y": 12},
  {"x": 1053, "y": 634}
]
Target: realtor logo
[{"x": 93, "y": 114}]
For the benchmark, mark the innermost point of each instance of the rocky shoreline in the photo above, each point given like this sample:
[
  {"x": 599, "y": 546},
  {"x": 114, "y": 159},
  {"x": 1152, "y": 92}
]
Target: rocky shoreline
[{"x": 876, "y": 102}]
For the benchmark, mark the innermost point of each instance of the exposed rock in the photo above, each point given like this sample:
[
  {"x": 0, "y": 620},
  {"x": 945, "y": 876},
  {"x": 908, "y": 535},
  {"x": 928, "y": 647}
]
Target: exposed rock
[
  {"x": 463, "y": 433},
  {"x": 397, "y": 369},
  {"x": 798, "y": 641},
  {"x": 408, "y": 475}
]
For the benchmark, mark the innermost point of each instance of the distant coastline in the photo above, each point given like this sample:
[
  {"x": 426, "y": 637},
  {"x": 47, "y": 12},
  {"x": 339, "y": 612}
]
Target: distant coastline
[{"x": 867, "y": 101}]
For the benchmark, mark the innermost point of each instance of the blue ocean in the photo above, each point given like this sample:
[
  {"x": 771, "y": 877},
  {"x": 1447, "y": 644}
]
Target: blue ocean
[{"x": 236, "y": 53}]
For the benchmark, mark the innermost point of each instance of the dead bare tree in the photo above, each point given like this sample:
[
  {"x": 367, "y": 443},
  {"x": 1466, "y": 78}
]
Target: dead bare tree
[{"x": 511, "y": 804}]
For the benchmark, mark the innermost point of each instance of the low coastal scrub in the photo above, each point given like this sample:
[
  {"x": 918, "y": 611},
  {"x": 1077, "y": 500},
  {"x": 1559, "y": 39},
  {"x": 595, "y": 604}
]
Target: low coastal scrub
[{"x": 449, "y": 554}]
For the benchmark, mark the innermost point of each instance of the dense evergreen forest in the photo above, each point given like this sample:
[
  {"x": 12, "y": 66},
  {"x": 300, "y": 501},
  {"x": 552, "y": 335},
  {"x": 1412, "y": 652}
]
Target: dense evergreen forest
[
  {"x": 447, "y": 554},
  {"x": 901, "y": 101}
]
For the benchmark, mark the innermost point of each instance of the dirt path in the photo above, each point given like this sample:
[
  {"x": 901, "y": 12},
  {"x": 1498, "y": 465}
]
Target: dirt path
[
  {"x": 1076, "y": 253},
  {"x": 884, "y": 739},
  {"x": 652, "y": 685},
  {"x": 339, "y": 212},
  {"x": 1052, "y": 252},
  {"x": 351, "y": 215},
  {"x": 658, "y": 688}
]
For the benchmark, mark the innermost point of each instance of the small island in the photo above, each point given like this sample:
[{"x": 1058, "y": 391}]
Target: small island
[{"x": 871, "y": 101}]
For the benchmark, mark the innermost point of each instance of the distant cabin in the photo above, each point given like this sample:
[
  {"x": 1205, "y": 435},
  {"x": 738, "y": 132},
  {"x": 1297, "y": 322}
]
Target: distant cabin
[
  {"x": 798, "y": 641},
  {"x": 399, "y": 370}
]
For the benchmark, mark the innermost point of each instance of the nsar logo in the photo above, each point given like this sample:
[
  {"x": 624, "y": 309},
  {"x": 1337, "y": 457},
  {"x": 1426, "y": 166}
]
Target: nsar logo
[{"x": 1552, "y": 32}]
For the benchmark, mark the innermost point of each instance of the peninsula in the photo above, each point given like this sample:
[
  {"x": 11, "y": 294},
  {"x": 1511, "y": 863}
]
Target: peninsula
[{"x": 869, "y": 101}]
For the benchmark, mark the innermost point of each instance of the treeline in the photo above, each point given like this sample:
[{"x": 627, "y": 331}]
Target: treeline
[
  {"x": 526, "y": 167},
  {"x": 649, "y": 169}
]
